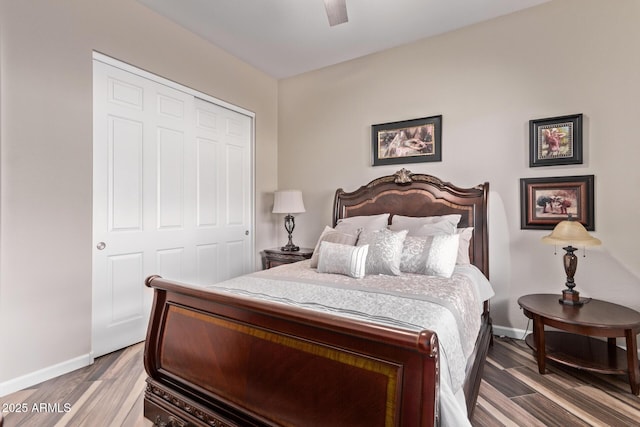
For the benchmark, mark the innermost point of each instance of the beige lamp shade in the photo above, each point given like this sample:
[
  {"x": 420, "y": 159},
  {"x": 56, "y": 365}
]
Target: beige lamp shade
[
  {"x": 570, "y": 233},
  {"x": 288, "y": 202}
]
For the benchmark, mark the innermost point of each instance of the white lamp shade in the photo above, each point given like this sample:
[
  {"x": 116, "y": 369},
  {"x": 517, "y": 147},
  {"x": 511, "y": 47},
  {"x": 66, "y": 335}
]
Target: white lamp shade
[
  {"x": 570, "y": 233},
  {"x": 288, "y": 202}
]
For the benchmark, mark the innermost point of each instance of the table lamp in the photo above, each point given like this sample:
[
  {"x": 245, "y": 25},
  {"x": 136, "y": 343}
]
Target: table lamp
[
  {"x": 573, "y": 234},
  {"x": 288, "y": 202}
]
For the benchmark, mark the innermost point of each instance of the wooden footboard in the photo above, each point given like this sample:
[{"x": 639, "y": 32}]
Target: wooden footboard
[{"x": 216, "y": 360}]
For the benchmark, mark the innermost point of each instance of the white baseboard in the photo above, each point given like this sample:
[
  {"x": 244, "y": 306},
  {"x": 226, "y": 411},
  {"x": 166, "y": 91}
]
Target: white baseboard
[
  {"x": 502, "y": 331},
  {"x": 520, "y": 334},
  {"x": 33, "y": 378}
]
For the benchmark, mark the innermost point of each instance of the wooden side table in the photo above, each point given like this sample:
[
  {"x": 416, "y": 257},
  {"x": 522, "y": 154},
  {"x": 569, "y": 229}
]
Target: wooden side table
[
  {"x": 275, "y": 256},
  {"x": 575, "y": 347}
]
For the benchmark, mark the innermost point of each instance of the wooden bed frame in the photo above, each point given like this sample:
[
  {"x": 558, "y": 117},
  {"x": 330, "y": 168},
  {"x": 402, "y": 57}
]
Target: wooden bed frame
[{"x": 219, "y": 360}]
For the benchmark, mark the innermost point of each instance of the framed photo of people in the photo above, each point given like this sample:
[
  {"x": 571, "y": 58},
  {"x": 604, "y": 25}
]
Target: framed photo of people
[
  {"x": 409, "y": 141},
  {"x": 544, "y": 202}
]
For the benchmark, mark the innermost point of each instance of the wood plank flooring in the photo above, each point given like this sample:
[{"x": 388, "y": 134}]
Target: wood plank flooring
[
  {"x": 109, "y": 393},
  {"x": 513, "y": 393}
]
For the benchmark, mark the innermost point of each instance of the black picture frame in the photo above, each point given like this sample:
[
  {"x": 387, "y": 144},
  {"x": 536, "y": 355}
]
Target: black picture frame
[
  {"x": 555, "y": 141},
  {"x": 544, "y": 202},
  {"x": 408, "y": 141}
]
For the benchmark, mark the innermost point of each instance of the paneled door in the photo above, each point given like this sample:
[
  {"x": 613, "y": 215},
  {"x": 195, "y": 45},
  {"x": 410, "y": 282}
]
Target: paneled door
[{"x": 172, "y": 195}]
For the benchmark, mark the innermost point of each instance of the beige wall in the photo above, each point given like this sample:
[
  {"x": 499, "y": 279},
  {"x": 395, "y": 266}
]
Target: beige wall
[
  {"x": 46, "y": 142},
  {"x": 488, "y": 81},
  {"x": 312, "y": 133}
]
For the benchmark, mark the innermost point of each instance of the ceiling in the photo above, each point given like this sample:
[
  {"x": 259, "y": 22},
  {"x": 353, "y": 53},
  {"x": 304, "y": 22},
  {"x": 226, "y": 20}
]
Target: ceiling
[{"x": 288, "y": 37}]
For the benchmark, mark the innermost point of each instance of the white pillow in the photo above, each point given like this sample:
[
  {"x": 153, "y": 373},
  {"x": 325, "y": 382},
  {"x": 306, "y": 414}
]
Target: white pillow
[
  {"x": 465, "y": 235},
  {"x": 385, "y": 250},
  {"x": 442, "y": 227},
  {"x": 333, "y": 236},
  {"x": 442, "y": 255},
  {"x": 355, "y": 224},
  {"x": 427, "y": 225},
  {"x": 342, "y": 259}
]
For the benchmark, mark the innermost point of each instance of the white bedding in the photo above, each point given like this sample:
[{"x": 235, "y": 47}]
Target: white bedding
[{"x": 450, "y": 307}]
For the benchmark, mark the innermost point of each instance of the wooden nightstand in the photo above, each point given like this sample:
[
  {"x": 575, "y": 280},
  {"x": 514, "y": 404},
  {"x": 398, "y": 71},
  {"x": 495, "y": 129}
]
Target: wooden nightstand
[
  {"x": 275, "y": 256},
  {"x": 575, "y": 347}
]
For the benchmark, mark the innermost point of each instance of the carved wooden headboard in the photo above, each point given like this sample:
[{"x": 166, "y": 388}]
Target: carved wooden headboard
[{"x": 412, "y": 194}]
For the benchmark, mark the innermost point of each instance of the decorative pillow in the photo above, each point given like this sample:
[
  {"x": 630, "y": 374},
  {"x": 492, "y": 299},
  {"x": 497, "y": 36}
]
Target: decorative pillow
[
  {"x": 342, "y": 259},
  {"x": 385, "y": 250},
  {"x": 414, "y": 254},
  {"x": 426, "y": 226},
  {"x": 333, "y": 236},
  {"x": 442, "y": 255},
  {"x": 465, "y": 235},
  {"x": 353, "y": 225}
]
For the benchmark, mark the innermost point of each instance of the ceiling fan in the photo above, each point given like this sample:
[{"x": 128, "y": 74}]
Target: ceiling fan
[{"x": 336, "y": 11}]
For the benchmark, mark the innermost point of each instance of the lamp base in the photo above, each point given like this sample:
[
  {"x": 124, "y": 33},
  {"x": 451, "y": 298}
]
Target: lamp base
[
  {"x": 290, "y": 248},
  {"x": 289, "y": 225},
  {"x": 571, "y": 297}
]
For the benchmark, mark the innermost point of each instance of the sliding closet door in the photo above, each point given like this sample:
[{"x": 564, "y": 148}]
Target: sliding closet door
[{"x": 172, "y": 196}]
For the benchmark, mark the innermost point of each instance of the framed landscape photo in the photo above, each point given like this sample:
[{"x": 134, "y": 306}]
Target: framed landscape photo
[
  {"x": 409, "y": 141},
  {"x": 555, "y": 141},
  {"x": 544, "y": 202}
]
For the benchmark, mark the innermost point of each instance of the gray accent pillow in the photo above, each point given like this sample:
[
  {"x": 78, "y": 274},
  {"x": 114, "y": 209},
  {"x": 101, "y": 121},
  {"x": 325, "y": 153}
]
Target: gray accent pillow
[
  {"x": 414, "y": 254},
  {"x": 419, "y": 256},
  {"x": 385, "y": 250},
  {"x": 333, "y": 236},
  {"x": 342, "y": 259}
]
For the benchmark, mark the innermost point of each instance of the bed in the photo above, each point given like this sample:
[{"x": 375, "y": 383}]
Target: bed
[{"x": 219, "y": 356}]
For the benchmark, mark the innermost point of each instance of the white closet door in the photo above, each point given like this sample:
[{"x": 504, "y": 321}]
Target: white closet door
[
  {"x": 223, "y": 192},
  {"x": 172, "y": 196}
]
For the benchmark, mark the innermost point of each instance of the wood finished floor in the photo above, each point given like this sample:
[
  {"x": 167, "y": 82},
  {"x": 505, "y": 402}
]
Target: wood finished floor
[{"x": 109, "y": 393}]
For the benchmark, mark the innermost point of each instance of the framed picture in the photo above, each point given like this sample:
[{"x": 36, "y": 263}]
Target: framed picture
[
  {"x": 410, "y": 141},
  {"x": 544, "y": 202},
  {"x": 555, "y": 141}
]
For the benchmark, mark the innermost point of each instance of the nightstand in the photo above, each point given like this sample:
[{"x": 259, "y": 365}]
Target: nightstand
[
  {"x": 275, "y": 256},
  {"x": 576, "y": 347}
]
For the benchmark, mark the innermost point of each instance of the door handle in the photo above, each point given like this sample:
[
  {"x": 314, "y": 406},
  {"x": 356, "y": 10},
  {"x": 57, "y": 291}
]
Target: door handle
[{"x": 101, "y": 245}]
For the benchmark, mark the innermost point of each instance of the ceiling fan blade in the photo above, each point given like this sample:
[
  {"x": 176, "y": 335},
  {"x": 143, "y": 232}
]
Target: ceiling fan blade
[{"x": 336, "y": 11}]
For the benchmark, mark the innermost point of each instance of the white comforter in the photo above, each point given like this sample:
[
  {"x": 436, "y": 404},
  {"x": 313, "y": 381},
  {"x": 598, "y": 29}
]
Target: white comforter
[{"x": 450, "y": 307}]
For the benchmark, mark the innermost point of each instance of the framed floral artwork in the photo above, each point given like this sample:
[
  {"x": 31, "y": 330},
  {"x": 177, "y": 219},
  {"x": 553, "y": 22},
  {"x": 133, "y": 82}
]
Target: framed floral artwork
[{"x": 555, "y": 141}]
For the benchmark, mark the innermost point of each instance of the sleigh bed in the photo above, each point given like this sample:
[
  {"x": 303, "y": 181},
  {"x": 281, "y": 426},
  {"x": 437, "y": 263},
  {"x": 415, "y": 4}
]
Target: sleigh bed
[{"x": 221, "y": 356}]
